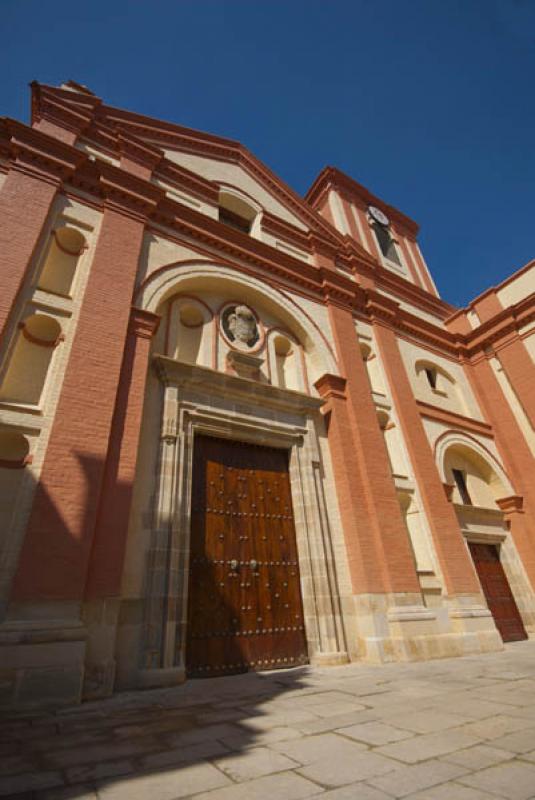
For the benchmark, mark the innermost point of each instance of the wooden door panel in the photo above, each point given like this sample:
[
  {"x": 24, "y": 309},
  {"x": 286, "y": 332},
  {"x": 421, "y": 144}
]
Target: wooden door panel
[
  {"x": 497, "y": 591},
  {"x": 244, "y": 608}
]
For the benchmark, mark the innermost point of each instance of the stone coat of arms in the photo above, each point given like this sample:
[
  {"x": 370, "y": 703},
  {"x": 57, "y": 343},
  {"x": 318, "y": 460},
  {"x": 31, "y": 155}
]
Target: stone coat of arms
[{"x": 240, "y": 325}]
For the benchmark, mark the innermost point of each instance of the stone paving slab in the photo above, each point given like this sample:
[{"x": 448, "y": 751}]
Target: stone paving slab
[
  {"x": 514, "y": 780},
  {"x": 456, "y": 729},
  {"x": 405, "y": 780}
]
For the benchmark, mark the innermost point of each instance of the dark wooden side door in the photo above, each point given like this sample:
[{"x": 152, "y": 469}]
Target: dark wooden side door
[
  {"x": 244, "y": 602},
  {"x": 497, "y": 591}
]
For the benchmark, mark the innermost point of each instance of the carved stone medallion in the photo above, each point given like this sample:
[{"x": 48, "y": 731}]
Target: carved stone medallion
[{"x": 240, "y": 326}]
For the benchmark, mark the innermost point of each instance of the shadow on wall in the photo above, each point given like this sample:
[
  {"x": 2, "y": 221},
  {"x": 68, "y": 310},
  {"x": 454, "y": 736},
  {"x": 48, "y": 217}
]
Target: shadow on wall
[{"x": 55, "y": 556}]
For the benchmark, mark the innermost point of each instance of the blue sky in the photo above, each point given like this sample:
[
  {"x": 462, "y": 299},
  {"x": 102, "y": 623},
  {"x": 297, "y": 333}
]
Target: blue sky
[{"x": 428, "y": 103}]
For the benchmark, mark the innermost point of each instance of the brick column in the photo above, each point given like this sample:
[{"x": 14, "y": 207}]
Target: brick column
[
  {"x": 512, "y": 355},
  {"x": 363, "y": 555},
  {"x": 520, "y": 371},
  {"x": 456, "y": 565},
  {"x": 517, "y": 458},
  {"x": 25, "y": 202},
  {"x": 55, "y": 555},
  {"x": 109, "y": 544},
  {"x": 103, "y": 587},
  {"x": 363, "y": 474}
]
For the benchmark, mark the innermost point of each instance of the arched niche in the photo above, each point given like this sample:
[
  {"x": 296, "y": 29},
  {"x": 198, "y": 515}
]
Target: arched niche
[
  {"x": 285, "y": 361},
  {"x": 461, "y": 458},
  {"x": 14, "y": 450},
  {"x": 189, "y": 334},
  {"x": 393, "y": 443},
  {"x": 57, "y": 274},
  {"x": 201, "y": 277},
  {"x": 417, "y": 535},
  {"x": 372, "y": 367},
  {"x": 30, "y": 359},
  {"x": 14, "y": 456}
]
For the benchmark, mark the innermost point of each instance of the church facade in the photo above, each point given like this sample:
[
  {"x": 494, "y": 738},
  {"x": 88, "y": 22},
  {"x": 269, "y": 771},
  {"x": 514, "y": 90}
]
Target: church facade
[{"x": 239, "y": 429}]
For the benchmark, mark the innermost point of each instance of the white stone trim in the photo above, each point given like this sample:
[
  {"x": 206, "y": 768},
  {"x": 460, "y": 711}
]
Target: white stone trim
[{"x": 198, "y": 400}]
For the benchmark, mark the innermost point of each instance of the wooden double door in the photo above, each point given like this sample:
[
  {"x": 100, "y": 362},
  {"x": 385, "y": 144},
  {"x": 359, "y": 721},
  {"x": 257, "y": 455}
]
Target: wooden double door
[
  {"x": 244, "y": 602},
  {"x": 497, "y": 592}
]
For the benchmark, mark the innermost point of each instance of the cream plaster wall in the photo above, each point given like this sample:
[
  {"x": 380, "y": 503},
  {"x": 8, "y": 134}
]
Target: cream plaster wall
[
  {"x": 529, "y": 344},
  {"x": 158, "y": 251},
  {"x": 337, "y": 212},
  {"x": 221, "y": 171},
  {"x": 473, "y": 319},
  {"x": 518, "y": 288},
  {"x": 458, "y": 397}
]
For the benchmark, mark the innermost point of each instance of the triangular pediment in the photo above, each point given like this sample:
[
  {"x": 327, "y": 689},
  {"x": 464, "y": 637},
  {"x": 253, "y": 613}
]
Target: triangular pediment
[{"x": 214, "y": 159}]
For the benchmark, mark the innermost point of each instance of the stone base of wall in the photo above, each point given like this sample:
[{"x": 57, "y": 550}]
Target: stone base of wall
[
  {"x": 400, "y": 628},
  {"x": 41, "y": 668}
]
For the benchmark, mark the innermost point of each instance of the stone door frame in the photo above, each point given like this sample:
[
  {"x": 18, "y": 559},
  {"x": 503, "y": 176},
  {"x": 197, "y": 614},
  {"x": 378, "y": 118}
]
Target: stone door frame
[{"x": 198, "y": 400}]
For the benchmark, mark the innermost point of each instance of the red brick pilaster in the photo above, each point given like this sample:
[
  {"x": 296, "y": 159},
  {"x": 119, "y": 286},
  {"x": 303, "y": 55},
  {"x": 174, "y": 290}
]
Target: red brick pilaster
[
  {"x": 373, "y": 523},
  {"x": 520, "y": 370},
  {"x": 363, "y": 555},
  {"x": 455, "y": 563},
  {"x": 487, "y": 305},
  {"x": 517, "y": 459},
  {"x": 109, "y": 544},
  {"x": 25, "y": 202},
  {"x": 512, "y": 355},
  {"x": 55, "y": 554}
]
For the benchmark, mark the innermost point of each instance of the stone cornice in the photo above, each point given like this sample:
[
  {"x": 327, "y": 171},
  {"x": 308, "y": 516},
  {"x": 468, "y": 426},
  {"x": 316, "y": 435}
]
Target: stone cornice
[
  {"x": 184, "y": 180},
  {"x": 454, "y": 420},
  {"x": 284, "y": 230},
  {"x": 513, "y": 504},
  {"x": 138, "y": 150},
  {"x": 498, "y": 330},
  {"x": 143, "y": 323},
  {"x": 115, "y": 187},
  {"x": 102, "y": 184},
  {"x": 57, "y": 106},
  {"x": 329, "y": 386},
  {"x": 178, "y": 373},
  {"x": 29, "y": 150},
  {"x": 171, "y": 136}
]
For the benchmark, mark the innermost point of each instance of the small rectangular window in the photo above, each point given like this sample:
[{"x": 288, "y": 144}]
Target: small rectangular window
[
  {"x": 388, "y": 248},
  {"x": 460, "y": 479},
  {"x": 431, "y": 377}
]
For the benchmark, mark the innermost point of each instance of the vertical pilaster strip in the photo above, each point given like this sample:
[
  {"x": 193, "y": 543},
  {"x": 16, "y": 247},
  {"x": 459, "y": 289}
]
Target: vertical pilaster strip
[
  {"x": 368, "y": 467},
  {"x": 363, "y": 556},
  {"x": 25, "y": 202},
  {"x": 520, "y": 371},
  {"x": 55, "y": 555},
  {"x": 456, "y": 566},
  {"x": 109, "y": 544},
  {"x": 516, "y": 454}
]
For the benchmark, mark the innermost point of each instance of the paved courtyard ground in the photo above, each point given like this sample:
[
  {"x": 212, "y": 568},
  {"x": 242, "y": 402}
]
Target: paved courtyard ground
[{"x": 458, "y": 729}]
